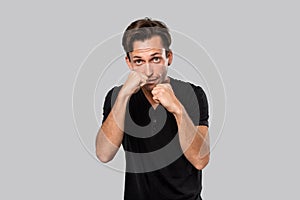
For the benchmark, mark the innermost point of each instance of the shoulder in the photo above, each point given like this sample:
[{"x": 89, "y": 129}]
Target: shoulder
[
  {"x": 114, "y": 90},
  {"x": 186, "y": 87},
  {"x": 112, "y": 94}
]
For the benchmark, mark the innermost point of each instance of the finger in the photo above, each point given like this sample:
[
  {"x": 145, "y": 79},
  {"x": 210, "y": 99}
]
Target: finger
[
  {"x": 155, "y": 99},
  {"x": 143, "y": 76},
  {"x": 143, "y": 80},
  {"x": 154, "y": 91},
  {"x": 166, "y": 86},
  {"x": 142, "y": 83}
]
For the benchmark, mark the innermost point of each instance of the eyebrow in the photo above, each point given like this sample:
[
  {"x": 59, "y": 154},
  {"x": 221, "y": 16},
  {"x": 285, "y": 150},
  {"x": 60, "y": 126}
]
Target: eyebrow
[
  {"x": 150, "y": 55},
  {"x": 154, "y": 54}
]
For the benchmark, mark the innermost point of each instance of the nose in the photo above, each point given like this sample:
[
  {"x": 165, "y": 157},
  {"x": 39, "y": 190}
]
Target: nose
[{"x": 148, "y": 70}]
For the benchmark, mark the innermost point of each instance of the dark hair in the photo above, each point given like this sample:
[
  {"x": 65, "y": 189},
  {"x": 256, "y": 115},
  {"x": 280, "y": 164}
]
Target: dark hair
[{"x": 143, "y": 29}]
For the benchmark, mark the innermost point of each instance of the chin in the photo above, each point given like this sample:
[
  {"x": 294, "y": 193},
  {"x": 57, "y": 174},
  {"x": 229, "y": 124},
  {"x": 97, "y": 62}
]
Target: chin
[{"x": 149, "y": 87}]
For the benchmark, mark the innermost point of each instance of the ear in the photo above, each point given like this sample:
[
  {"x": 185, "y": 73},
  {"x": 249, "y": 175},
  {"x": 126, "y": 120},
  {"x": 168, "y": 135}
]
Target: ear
[
  {"x": 128, "y": 63},
  {"x": 170, "y": 57}
]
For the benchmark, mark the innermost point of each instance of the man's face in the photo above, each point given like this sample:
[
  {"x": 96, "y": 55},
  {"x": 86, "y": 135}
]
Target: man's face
[{"x": 149, "y": 58}]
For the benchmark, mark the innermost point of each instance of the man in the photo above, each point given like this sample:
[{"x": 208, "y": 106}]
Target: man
[{"x": 161, "y": 122}]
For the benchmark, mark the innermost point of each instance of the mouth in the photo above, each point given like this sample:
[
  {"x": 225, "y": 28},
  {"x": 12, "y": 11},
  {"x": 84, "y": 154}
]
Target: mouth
[{"x": 151, "y": 81}]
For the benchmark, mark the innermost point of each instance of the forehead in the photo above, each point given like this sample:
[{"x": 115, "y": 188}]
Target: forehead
[
  {"x": 147, "y": 52},
  {"x": 149, "y": 46}
]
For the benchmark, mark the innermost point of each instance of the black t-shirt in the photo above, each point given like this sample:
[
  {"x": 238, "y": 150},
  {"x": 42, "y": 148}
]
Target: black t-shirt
[{"x": 156, "y": 168}]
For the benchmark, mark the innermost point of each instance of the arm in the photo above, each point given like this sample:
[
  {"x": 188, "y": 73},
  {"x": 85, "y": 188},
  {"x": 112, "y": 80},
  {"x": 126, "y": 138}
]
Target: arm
[
  {"x": 194, "y": 140},
  {"x": 110, "y": 135}
]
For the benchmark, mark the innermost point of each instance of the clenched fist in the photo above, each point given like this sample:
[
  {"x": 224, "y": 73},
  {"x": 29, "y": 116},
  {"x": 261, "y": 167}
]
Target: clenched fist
[
  {"x": 134, "y": 82},
  {"x": 164, "y": 94}
]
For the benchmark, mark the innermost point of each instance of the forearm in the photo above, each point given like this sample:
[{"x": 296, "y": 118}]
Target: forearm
[
  {"x": 194, "y": 141},
  {"x": 110, "y": 135}
]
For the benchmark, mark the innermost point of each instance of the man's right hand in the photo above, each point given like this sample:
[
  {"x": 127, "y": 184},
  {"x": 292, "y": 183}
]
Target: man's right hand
[{"x": 134, "y": 82}]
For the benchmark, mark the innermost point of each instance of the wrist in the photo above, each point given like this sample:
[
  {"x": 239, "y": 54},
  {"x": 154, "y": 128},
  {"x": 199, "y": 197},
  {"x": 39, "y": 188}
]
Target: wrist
[
  {"x": 178, "y": 111},
  {"x": 122, "y": 98},
  {"x": 123, "y": 94}
]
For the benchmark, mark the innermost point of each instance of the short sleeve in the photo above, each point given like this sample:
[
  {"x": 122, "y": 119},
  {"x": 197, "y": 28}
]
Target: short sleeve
[
  {"x": 202, "y": 105},
  {"x": 109, "y": 102},
  {"x": 107, "y": 105}
]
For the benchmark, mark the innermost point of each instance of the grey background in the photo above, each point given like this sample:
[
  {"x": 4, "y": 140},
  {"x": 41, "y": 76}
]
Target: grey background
[{"x": 254, "y": 44}]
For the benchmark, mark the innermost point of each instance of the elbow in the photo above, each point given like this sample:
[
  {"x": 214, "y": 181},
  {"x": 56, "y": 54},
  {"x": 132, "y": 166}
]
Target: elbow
[
  {"x": 201, "y": 164},
  {"x": 103, "y": 158}
]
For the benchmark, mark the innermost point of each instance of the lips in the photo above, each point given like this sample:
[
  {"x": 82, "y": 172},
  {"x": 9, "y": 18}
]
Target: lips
[{"x": 151, "y": 81}]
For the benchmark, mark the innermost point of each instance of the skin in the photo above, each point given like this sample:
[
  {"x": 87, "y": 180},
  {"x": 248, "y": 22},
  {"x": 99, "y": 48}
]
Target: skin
[{"x": 148, "y": 64}]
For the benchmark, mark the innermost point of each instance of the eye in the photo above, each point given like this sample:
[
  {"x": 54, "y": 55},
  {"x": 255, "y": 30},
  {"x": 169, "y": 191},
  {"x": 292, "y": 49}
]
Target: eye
[
  {"x": 156, "y": 59},
  {"x": 138, "y": 62}
]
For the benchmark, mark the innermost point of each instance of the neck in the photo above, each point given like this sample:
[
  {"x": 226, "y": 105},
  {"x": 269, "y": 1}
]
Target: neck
[
  {"x": 149, "y": 97},
  {"x": 147, "y": 93}
]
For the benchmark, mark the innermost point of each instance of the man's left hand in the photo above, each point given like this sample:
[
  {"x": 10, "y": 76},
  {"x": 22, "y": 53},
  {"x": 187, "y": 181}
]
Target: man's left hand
[{"x": 164, "y": 94}]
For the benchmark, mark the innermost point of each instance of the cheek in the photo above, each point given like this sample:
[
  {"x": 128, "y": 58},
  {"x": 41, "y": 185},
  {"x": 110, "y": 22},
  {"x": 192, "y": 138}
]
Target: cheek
[{"x": 161, "y": 70}]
